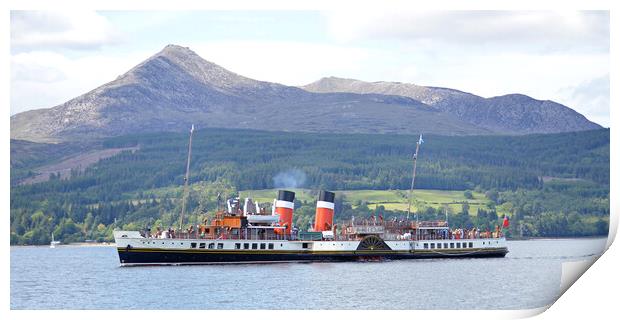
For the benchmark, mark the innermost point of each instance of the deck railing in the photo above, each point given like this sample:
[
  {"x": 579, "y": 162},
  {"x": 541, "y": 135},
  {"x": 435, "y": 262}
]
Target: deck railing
[{"x": 445, "y": 234}]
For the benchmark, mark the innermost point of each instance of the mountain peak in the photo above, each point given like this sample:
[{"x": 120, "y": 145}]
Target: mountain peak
[
  {"x": 172, "y": 46},
  {"x": 176, "y": 59},
  {"x": 176, "y": 51}
]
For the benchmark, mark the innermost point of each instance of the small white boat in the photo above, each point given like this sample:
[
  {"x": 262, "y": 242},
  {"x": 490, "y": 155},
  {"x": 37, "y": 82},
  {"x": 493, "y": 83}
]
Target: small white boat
[{"x": 53, "y": 243}]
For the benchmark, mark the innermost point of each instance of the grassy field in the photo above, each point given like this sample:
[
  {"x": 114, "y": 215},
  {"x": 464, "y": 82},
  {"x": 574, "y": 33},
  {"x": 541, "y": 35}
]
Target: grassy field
[{"x": 390, "y": 199}]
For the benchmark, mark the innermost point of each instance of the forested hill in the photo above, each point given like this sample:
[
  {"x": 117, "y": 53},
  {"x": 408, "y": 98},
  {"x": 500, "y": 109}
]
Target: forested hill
[
  {"x": 248, "y": 159},
  {"x": 251, "y": 159}
]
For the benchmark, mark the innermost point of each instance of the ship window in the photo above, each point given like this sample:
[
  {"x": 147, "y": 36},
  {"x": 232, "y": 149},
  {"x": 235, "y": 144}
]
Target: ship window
[
  {"x": 202, "y": 245},
  {"x": 432, "y": 246},
  {"x": 305, "y": 245},
  {"x": 458, "y": 245},
  {"x": 445, "y": 246},
  {"x": 220, "y": 246},
  {"x": 193, "y": 245},
  {"x": 246, "y": 246},
  {"x": 254, "y": 246},
  {"x": 211, "y": 245},
  {"x": 237, "y": 245},
  {"x": 452, "y": 245},
  {"x": 426, "y": 246},
  {"x": 471, "y": 244},
  {"x": 262, "y": 246},
  {"x": 270, "y": 246}
]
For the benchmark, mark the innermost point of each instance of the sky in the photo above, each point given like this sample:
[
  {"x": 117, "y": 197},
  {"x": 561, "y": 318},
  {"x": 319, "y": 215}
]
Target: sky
[{"x": 549, "y": 55}]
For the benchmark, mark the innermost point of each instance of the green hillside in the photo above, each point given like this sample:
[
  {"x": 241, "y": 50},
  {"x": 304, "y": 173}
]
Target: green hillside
[{"x": 563, "y": 178}]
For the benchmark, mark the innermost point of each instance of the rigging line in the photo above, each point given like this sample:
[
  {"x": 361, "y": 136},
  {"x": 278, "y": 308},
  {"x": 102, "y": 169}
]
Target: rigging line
[{"x": 415, "y": 161}]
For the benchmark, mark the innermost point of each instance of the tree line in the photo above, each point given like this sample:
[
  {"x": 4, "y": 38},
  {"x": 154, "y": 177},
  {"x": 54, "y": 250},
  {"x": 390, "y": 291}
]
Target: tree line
[{"x": 509, "y": 168}]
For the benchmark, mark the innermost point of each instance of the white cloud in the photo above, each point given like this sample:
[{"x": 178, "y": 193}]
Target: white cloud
[
  {"x": 43, "y": 79},
  {"x": 495, "y": 30},
  {"x": 591, "y": 97},
  {"x": 291, "y": 63},
  {"x": 56, "y": 30}
]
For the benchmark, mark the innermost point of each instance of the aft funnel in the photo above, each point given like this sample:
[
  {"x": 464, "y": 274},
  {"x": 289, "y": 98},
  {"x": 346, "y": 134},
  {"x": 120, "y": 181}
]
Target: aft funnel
[{"x": 324, "y": 219}]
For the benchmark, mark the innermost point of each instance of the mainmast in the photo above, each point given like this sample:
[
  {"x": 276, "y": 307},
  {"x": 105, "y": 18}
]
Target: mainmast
[
  {"x": 186, "y": 186},
  {"x": 415, "y": 160}
]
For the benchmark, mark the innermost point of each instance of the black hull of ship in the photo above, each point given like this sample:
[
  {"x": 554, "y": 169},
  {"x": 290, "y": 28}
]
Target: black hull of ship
[{"x": 138, "y": 257}]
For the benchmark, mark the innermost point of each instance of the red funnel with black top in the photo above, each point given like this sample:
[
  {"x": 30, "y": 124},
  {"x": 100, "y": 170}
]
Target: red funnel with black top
[
  {"x": 284, "y": 206},
  {"x": 324, "y": 219}
]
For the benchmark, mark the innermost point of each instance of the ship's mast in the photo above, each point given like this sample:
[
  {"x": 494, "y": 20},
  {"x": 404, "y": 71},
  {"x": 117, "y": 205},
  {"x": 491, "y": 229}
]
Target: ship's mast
[
  {"x": 415, "y": 161},
  {"x": 186, "y": 186}
]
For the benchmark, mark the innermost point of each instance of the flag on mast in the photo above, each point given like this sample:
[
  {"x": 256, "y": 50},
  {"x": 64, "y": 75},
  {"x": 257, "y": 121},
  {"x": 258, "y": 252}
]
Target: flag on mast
[
  {"x": 506, "y": 223},
  {"x": 420, "y": 141}
]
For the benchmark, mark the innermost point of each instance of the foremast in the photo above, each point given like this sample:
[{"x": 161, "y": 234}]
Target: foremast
[{"x": 186, "y": 185}]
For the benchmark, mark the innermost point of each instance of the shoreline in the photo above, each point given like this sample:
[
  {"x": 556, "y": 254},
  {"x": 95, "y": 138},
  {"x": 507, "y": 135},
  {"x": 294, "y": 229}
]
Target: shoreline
[{"x": 72, "y": 244}]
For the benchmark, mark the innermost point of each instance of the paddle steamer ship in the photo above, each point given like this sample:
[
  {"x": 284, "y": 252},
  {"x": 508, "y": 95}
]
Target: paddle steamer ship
[{"x": 248, "y": 232}]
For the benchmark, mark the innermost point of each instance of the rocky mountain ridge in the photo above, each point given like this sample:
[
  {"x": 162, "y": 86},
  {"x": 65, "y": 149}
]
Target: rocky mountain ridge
[
  {"x": 508, "y": 114},
  {"x": 176, "y": 88}
]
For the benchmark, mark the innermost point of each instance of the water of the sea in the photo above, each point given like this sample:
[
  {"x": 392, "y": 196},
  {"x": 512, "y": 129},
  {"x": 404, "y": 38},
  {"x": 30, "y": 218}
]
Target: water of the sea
[{"x": 83, "y": 277}]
